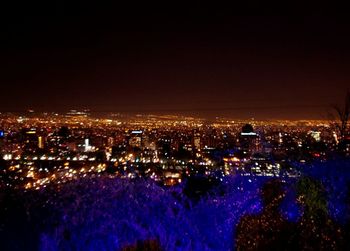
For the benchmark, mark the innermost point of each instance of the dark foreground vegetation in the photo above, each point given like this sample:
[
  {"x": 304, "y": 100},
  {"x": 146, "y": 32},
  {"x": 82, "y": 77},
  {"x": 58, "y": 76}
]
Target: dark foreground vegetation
[{"x": 240, "y": 213}]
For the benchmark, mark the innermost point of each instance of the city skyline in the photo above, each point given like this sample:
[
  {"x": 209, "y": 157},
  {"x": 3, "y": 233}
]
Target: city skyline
[{"x": 174, "y": 125}]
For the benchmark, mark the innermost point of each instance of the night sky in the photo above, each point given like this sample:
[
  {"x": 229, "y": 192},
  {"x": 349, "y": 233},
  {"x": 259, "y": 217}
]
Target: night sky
[{"x": 261, "y": 61}]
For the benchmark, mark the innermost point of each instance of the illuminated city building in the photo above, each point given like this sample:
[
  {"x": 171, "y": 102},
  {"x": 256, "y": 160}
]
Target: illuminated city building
[
  {"x": 249, "y": 140},
  {"x": 41, "y": 142},
  {"x": 196, "y": 140},
  {"x": 87, "y": 146},
  {"x": 135, "y": 138},
  {"x": 316, "y": 135}
]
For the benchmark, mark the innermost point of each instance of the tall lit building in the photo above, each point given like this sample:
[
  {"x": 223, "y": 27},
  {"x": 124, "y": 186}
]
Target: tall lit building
[
  {"x": 249, "y": 140},
  {"x": 135, "y": 138},
  {"x": 196, "y": 140},
  {"x": 87, "y": 146},
  {"x": 40, "y": 142}
]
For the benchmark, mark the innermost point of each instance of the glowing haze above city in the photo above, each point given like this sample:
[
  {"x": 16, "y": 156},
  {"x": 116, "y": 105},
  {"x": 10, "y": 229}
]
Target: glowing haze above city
[{"x": 196, "y": 60}]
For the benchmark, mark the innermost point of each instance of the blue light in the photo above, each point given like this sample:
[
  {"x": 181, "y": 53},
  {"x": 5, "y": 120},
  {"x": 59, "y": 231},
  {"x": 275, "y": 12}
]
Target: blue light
[{"x": 154, "y": 213}]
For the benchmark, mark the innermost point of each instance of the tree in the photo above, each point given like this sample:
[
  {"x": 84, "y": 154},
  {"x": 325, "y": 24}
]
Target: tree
[{"x": 341, "y": 116}]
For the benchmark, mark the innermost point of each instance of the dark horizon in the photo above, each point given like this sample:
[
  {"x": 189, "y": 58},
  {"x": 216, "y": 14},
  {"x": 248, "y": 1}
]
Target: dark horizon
[{"x": 198, "y": 60}]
